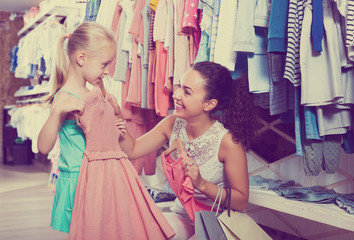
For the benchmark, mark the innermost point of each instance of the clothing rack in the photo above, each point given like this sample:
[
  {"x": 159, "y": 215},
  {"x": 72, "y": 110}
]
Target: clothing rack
[
  {"x": 29, "y": 101},
  {"x": 60, "y": 10},
  {"x": 41, "y": 24}
]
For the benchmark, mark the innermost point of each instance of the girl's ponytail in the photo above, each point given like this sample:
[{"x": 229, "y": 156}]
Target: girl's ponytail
[{"x": 60, "y": 70}]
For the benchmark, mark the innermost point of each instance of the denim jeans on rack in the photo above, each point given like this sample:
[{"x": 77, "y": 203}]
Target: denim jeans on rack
[
  {"x": 298, "y": 133},
  {"x": 261, "y": 183},
  {"x": 348, "y": 142},
  {"x": 346, "y": 202},
  {"x": 311, "y": 128},
  {"x": 315, "y": 194}
]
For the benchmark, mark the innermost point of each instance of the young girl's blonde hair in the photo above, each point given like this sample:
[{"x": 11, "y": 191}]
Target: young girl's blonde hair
[{"x": 89, "y": 37}]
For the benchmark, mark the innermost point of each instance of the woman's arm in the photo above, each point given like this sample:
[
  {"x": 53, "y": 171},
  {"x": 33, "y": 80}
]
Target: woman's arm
[
  {"x": 150, "y": 141},
  {"x": 62, "y": 104},
  {"x": 235, "y": 163}
]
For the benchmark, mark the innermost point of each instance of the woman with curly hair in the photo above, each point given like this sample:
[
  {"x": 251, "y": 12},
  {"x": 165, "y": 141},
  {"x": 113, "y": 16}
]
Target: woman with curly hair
[{"x": 215, "y": 152}]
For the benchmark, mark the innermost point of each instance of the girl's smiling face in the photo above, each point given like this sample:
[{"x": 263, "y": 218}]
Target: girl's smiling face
[{"x": 96, "y": 67}]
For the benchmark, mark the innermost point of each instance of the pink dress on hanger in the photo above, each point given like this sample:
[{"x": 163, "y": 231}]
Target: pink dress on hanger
[
  {"x": 110, "y": 200},
  {"x": 180, "y": 184}
]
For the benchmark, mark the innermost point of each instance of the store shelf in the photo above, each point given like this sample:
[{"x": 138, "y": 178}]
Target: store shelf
[
  {"x": 324, "y": 213},
  {"x": 8, "y": 107},
  {"x": 61, "y": 11},
  {"x": 30, "y": 93}
]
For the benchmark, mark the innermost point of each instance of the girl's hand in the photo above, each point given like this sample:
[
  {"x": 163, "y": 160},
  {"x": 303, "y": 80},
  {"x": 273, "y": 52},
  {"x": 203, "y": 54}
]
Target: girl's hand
[
  {"x": 191, "y": 169},
  {"x": 120, "y": 123},
  {"x": 68, "y": 104}
]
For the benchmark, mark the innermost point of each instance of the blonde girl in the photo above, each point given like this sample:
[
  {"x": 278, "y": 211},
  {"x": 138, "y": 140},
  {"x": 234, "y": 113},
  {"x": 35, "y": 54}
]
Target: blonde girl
[{"x": 80, "y": 59}]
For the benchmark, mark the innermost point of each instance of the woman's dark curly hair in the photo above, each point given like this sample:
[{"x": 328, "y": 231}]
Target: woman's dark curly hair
[{"x": 234, "y": 100}]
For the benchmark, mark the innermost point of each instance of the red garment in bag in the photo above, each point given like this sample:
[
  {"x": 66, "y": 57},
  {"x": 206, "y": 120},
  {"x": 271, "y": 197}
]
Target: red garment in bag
[{"x": 181, "y": 185}]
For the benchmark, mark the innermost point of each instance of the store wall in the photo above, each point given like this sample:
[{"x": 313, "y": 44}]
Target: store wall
[{"x": 8, "y": 83}]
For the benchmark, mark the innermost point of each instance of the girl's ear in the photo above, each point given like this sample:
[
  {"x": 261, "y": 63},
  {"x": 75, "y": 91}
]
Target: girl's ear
[
  {"x": 81, "y": 58},
  {"x": 210, "y": 105}
]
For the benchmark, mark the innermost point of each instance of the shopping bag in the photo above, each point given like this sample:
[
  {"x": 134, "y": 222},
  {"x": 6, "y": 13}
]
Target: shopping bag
[
  {"x": 199, "y": 228},
  {"x": 207, "y": 226},
  {"x": 206, "y": 223},
  {"x": 241, "y": 227}
]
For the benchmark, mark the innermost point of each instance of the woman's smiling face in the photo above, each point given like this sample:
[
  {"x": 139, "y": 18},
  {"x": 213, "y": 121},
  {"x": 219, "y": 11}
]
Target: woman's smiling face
[{"x": 189, "y": 97}]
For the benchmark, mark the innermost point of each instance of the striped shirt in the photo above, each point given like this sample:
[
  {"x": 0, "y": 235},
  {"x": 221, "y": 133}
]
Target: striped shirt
[
  {"x": 292, "y": 62},
  {"x": 350, "y": 24}
]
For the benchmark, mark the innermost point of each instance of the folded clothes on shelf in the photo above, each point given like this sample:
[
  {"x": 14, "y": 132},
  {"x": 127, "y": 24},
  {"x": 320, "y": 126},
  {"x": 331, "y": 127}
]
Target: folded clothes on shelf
[
  {"x": 313, "y": 194},
  {"x": 261, "y": 183},
  {"x": 346, "y": 202}
]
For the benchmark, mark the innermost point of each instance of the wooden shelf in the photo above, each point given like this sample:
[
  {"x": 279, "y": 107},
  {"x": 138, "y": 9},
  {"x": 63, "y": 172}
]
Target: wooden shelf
[
  {"x": 61, "y": 11},
  {"x": 324, "y": 213}
]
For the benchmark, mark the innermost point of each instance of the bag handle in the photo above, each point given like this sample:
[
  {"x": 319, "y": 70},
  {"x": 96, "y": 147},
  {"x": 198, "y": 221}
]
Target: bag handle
[
  {"x": 217, "y": 199},
  {"x": 217, "y": 195},
  {"x": 227, "y": 201}
]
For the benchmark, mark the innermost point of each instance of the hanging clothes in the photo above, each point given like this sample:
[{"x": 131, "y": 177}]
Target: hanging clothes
[
  {"x": 181, "y": 53},
  {"x": 249, "y": 14},
  {"x": 281, "y": 95},
  {"x": 92, "y": 7},
  {"x": 224, "y": 54},
  {"x": 144, "y": 54},
  {"x": 322, "y": 85},
  {"x": 106, "y": 12},
  {"x": 292, "y": 62}
]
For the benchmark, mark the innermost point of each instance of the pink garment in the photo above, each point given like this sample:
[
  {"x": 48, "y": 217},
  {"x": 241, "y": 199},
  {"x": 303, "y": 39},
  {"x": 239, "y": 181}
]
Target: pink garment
[
  {"x": 110, "y": 200},
  {"x": 162, "y": 96},
  {"x": 151, "y": 79},
  {"x": 134, "y": 92},
  {"x": 190, "y": 17},
  {"x": 194, "y": 41},
  {"x": 171, "y": 49},
  {"x": 115, "y": 29},
  {"x": 181, "y": 43},
  {"x": 190, "y": 26},
  {"x": 139, "y": 121},
  {"x": 179, "y": 6},
  {"x": 152, "y": 64},
  {"x": 126, "y": 107},
  {"x": 136, "y": 28},
  {"x": 181, "y": 185}
]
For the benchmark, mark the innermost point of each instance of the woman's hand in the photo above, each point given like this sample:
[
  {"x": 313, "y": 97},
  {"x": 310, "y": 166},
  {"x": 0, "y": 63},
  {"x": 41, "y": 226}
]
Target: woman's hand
[
  {"x": 113, "y": 101},
  {"x": 191, "y": 169},
  {"x": 120, "y": 123}
]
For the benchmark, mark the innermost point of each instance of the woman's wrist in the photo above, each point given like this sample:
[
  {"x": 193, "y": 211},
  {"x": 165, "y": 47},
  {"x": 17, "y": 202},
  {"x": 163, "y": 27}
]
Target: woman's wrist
[{"x": 202, "y": 186}]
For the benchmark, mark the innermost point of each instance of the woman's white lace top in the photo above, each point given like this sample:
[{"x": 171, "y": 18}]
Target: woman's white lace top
[{"x": 204, "y": 151}]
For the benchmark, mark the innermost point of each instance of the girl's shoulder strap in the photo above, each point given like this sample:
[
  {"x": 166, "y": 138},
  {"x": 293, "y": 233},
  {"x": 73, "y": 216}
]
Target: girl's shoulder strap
[{"x": 64, "y": 90}]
